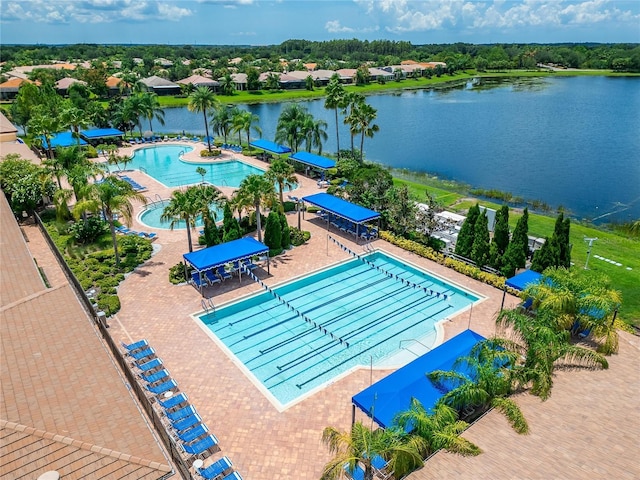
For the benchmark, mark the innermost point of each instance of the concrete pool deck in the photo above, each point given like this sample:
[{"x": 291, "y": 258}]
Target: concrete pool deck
[{"x": 588, "y": 428}]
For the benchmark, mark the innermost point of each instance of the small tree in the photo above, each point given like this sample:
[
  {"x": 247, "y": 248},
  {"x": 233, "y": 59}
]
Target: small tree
[
  {"x": 202, "y": 172},
  {"x": 480, "y": 247},
  {"x": 285, "y": 240},
  {"x": 501, "y": 230},
  {"x": 465, "y": 237},
  {"x": 273, "y": 232}
]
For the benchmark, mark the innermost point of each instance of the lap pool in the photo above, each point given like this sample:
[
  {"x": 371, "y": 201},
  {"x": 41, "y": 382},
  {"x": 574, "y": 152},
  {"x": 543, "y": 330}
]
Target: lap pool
[
  {"x": 163, "y": 163},
  {"x": 310, "y": 331}
]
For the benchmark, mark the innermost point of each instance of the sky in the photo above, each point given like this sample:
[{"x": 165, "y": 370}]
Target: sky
[{"x": 269, "y": 22}]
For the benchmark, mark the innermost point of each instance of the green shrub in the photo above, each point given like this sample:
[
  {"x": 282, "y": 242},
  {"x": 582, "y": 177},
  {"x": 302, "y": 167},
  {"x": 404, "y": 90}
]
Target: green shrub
[
  {"x": 91, "y": 151},
  {"x": 273, "y": 231},
  {"x": 289, "y": 206},
  {"x": 298, "y": 237},
  {"x": 312, "y": 209},
  {"x": 109, "y": 304},
  {"x": 275, "y": 251},
  {"x": 213, "y": 153},
  {"x": 177, "y": 274}
]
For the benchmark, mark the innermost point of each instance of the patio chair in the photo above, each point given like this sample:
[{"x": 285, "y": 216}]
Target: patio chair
[
  {"x": 194, "y": 434},
  {"x": 149, "y": 367},
  {"x": 147, "y": 353},
  {"x": 122, "y": 229},
  {"x": 186, "y": 423},
  {"x": 162, "y": 387},
  {"x": 139, "y": 345},
  {"x": 356, "y": 473},
  {"x": 155, "y": 377},
  {"x": 197, "y": 280},
  {"x": 181, "y": 413},
  {"x": 250, "y": 265},
  {"x": 211, "y": 277},
  {"x": 201, "y": 447},
  {"x": 233, "y": 476},
  {"x": 151, "y": 235},
  {"x": 174, "y": 402},
  {"x": 222, "y": 273},
  {"x": 215, "y": 469}
]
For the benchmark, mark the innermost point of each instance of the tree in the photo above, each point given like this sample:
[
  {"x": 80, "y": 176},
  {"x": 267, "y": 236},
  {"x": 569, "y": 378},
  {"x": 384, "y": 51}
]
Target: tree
[
  {"x": 282, "y": 173},
  {"x": 28, "y": 97},
  {"x": 273, "y": 232},
  {"x": 426, "y": 218},
  {"x": 227, "y": 85},
  {"x": 544, "y": 348},
  {"x": 579, "y": 300},
  {"x": 76, "y": 119},
  {"x": 350, "y": 101},
  {"x": 24, "y": 183},
  {"x": 464, "y": 243},
  {"x": 362, "y": 445},
  {"x": 480, "y": 246},
  {"x": 244, "y": 121},
  {"x": 43, "y": 125},
  {"x": 308, "y": 83},
  {"x": 253, "y": 79},
  {"x": 222, "y": 121},
  {"x": 285, "y": 238},
  {"x": 555, "y": 252},
  {"x": 501, "y": 230},
  {"x": 229, "y": 222},
  {"x": 202, "y": 100},
  {"x": 150, "y": 108},
  {"x": 335, "y": 97},
  {"x": 487, "y": 383},
  {"x": 256, "y": 189},
  {"x": 402, "y": 211},
  {"x": 290, "y": 126},
  {"x": 516, "y": 254},
  {"x": 440, "y": 429}
]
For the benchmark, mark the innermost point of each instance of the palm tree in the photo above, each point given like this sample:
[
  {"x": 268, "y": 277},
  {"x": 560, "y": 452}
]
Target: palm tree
[
  {"x": 440, "y": 429},
  {"x": 290, "y": 126},
  {"x": 222, "y": 121},
  {"x": 281, "y": 172},
  {"x": 362, "y": 445},
  {"x": 227, "y": 85},
  {"x": 487, "y": 384},
  {"x": 111, "y": 196},
  {"x": 256, "y": 189},
  {"x": 362, "y": 114},
  {"x": 335, "y": 99},
  {"x": 314, "y": 132},
  {"x": 349, "y": 102},
  {"x": 76, "y": 119},
  {"x": 243, "y": 122},
  {"x": 579, "y": 300},
  {"x": 543, "y": 348},
  {"x": 201, "y": 100},
  {"x": 43, "y": 126},
  {"x": 150, "y": 108}
]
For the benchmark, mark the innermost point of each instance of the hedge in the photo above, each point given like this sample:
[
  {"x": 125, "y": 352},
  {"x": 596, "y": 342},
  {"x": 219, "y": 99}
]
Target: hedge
[{"x": 497, "y": 281}]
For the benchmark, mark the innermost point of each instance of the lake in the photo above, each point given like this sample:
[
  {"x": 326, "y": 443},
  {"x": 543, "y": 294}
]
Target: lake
[{"x": 568, "y": 141}]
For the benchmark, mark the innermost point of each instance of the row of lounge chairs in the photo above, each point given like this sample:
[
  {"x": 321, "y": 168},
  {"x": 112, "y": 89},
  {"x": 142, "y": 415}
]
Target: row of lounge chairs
[
  {"x": 135, "y": 185},
  {"x": 379, "y": 465},
  {"x": 363, "y": 231},
  {"x": 178, "y": 415},
  {"x": 219, "y": 274},
  {"x": 126, "y": 231},
  {"x": 232, "y": 147}
]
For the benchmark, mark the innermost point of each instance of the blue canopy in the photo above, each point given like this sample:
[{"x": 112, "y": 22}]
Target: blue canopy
[
  {"x": 341, "y": 208},
  {"x": 270, "y": 146},
  {"x": 64, "y": 139},
  {"x": 101, "y": 133},
  {"x": 313, "y": 160},
  {"x": 224, "y": 253},
  {"x": 392, "y": 395},
  {"x": 523, "y": 280}
]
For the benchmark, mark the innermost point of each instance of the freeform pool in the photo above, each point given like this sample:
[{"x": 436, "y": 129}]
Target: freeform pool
[
  {"x": 151, "y": 216},
  {"x": 312, "y": 330},
  {"x": 163, "y": 163}
]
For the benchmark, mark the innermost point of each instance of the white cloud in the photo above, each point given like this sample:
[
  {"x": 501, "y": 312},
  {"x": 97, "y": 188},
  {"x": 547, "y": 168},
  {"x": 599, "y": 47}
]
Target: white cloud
[
  {"x": 334, "y": 26},
  {"x": 92, "y": 11}
]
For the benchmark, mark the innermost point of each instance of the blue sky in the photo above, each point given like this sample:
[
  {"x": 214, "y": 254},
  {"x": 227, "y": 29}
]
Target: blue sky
[{"x": 265, "y": 22}]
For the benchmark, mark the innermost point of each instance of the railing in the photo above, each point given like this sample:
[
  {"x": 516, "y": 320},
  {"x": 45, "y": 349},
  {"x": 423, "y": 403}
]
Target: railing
[
  {"x": 143, "y": 170},
  {"x": 415, "y": 341}
]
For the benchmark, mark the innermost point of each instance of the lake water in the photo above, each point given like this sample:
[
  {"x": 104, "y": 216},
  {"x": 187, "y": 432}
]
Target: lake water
[{"x": 573, "y": 142}]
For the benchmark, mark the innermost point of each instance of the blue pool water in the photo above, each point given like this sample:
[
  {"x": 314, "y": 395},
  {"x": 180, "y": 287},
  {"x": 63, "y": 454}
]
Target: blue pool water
[
  {"x": 164, "y": 164},
  {"x": 325, "y": 324},
  {"x": 151, "y": 217}
]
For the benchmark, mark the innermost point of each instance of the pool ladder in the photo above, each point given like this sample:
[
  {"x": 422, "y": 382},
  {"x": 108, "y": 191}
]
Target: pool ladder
[{"x": 207, "y": 305}]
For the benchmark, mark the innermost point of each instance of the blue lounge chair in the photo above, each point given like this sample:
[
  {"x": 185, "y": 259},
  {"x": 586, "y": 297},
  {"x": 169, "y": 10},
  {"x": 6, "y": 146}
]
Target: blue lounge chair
[
  {"x": 197, "y": 280},
  {"x": 357, "y": 473},
  {"x": 173, "y": 402},
  {"x": 182, "y": 413},
  {"x": 155, "y": 377},
  {"x": 211, "y": 277},
  {"x": 150, "y": 366},
  {"x": 223, "y": 274},
  {"x": 132, "y": 347},
  {"x": 186, "y": 423},
  {"x": 215, "y": 469},
  {"x": 149, "y": 353},
  {"x": 201, "y": 447},
  {"x": 162, "y": 387},
  {"x": 151, "y": 235},
  {"x": 250, "y": 265},
  {"x": 122, "y": 229},
  {"x": 193, "y": 435},
  {"x": 233, "y": 476}
]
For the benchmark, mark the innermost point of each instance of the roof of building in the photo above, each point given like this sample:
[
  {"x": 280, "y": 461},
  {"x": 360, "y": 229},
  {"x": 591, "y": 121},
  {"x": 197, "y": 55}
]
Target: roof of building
[
  {"x": 158, "y": 82},
  {"x": 199, "y": 80},
  {"x": 65, "y": 83}
]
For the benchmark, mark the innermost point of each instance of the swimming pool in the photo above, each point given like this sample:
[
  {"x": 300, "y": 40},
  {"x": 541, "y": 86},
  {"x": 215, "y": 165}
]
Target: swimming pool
[
  {"x": 314, "y": 329},
  {"x": 163, "y": 163},
  {"x": 151, "y": 217}
]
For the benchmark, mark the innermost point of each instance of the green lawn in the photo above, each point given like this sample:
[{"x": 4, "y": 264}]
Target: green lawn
[
  {"x": 416, "y": 190},
  {"x": 609, "y": 245}
]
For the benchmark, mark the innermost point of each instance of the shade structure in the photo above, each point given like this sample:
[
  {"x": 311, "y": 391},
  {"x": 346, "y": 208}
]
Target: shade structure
[
  {"x": 219, "y": 255},
  {"x": 63, "y": 139},
  {"x": 523, "y": 280},
  {"x": 101, "y": 133},
  {"x": 383, "y": 400},
  {"x": 313, "y": 160},
  {"x": 341, "y": 208},
  {"x": 270, "y": 146}
]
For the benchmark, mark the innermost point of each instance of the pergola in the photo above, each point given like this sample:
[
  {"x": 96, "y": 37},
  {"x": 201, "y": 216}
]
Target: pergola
[{"x": 270, "y": 146}]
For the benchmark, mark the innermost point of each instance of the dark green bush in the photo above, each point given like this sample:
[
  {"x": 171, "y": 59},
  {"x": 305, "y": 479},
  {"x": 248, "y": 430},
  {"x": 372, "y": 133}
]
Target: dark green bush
[
  {"x": 85, "y": 232},
  {"x": 289, "y": 206},
  {"x": 275, "y": 251},
  {"x": 298, "y": 237},
  {"x": 177, "y": 274},
  {"x": 109, "y": 304}
]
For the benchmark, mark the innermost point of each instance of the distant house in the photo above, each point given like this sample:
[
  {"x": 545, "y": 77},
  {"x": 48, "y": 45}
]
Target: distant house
[
  {"x": 163, "y": 62},
  {"x": 286, "y": 80},
  {"x": 9, "y": 89},
  {"x": 113, "y": 85},
  {"x": 160, "y": 86},
  {"x": 240, "y": 80},
  {"x": 376, "y": 73},
  {"x": 62, "y": 85},
  {"x": 347, "y": 75},
  {"x": 200, "y": 81}
]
